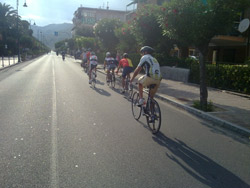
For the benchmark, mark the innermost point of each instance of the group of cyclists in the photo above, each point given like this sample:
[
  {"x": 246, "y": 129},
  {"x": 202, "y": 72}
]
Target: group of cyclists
[{"x": 148, "y": 62}]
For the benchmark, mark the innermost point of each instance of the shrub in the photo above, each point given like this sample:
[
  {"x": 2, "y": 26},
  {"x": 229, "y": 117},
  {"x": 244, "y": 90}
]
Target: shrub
[{"x": 228, "y": 77}]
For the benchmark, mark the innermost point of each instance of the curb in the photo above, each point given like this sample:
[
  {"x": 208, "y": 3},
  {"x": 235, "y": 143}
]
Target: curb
[
  {"x": 203, "y": 115},
  {"x": 206, "y": 116}
]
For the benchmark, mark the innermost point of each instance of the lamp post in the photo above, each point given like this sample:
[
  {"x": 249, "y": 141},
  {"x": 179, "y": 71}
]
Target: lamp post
[
  {"x": 30, "y": 22},
  {"x": 17, "y": 22}
]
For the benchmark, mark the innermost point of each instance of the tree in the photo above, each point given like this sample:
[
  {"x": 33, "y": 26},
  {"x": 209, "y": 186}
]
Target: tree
[
  {"x": 105, "y": 32},
  {"x": 7, "y": 16},
  {"x": 127, "y": 41},
  {"x": 147, "y": 31},
  {"x": 86, "y": 42},
  {"x": 85, "y": 31},
  {"x": 195, "y": 23}
]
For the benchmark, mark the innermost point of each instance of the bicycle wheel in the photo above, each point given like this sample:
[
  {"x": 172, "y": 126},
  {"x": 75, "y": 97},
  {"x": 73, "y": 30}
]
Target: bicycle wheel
[
  {"x": 93, "y": 79},
  {"x": 107, "y": 80},
  {"x": 136, "y": 110},
  {"x": 130, "y": 90},
  {"x": 154, "y": 117},
  {"x": 113, "y": 80},
  {"x": 119, "y": 82}
]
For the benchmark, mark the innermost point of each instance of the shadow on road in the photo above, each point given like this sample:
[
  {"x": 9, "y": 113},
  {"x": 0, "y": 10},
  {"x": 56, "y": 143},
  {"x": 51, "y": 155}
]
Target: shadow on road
[
  {"x": 198, "y": 165},
  {"x": 101, "y": 91},
  {"x": 99, "y": 82}
]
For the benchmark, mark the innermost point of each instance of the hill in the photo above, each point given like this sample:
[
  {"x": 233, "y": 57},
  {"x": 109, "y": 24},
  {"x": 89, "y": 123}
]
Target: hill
[{"x": 46, "y": 34}]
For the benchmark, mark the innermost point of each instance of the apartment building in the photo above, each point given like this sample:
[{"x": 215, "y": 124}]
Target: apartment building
[
  {"x": 231, "y": 48},
  {"x": 90, "y": 16}
]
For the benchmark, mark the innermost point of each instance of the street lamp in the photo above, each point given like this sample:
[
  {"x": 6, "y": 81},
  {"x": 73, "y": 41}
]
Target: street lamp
[
  {"x": 30, "y": 22},
  {"x": 17, "y": 22}
]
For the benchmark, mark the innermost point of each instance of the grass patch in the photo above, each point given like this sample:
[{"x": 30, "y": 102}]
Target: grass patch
[{"x": 210, "y": 106}]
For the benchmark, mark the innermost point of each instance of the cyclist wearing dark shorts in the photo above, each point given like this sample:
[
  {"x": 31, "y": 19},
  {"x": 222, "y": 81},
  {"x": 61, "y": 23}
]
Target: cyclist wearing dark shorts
[
  {"x": 93, "y": 61},
  {"x": 110, "y": 63},
  {"x": 127, "y": 65}
]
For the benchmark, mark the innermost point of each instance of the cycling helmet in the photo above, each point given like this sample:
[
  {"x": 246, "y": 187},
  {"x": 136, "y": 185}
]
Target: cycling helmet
[
  {"x": 108, "y": 54},
  {"x": 92, "y": 53},
  {"x": 125, "y": 55},
  {"x": 147, "y": 49}
]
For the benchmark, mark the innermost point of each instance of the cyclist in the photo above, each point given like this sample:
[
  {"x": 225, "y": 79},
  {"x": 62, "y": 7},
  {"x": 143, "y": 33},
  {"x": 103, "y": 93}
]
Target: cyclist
[
  {"x": 88, "y": 54},
  {"x": 152, "y": 72},
  {"x": 110, "y": 63},
  {"x": 84, "y": 58},
  {"x": 63, "y": 55},
  {"x": 127, "y": 65},
  {"x": 92, "y": 64}
]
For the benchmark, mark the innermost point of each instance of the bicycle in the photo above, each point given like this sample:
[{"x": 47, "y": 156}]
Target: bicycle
[
  {"x": 151, "y": 110},
  {"x": 93, "y": 78},
  {"x": 86, "y": 68},
  {"x": 128, "y": 87},
  {"x": 111, "y": 79}
]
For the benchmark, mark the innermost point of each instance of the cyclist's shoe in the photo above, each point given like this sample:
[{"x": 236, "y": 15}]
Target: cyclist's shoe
[
  {"x": 141, "y": 102},
  {"x": 152, "y": 119},
  {"x": 123, "y": 91}
]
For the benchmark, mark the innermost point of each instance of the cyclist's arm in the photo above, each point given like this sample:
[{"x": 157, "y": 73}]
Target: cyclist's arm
[
  {"x": 119, "y": 66},
  {"x": 136, "y": 72}
]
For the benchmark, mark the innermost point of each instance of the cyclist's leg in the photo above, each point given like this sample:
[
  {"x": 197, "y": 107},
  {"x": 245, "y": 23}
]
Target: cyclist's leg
[
  {"x": 90, "y": 70},
  {"x": 124, "y": 73},
  {"x": 130, "y": 69},
  {"x": 95, "y": 70},
  {"x": 112, "y": 68},
  {"x": 154, "y": 90},
  {"x": 142, "y": 82},
  {"x": 108, "y": 73}
]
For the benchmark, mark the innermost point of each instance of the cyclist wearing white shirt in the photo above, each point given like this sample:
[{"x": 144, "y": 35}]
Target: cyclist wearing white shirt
[
  {"x": 152, "y": 72},
  {"x": 93, "y": 61}
]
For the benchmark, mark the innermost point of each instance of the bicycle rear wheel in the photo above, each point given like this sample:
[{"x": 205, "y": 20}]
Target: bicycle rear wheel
[
  {"x": 130, "y": 90},
  {"x": 154, "y": 117},
  {"x": 93, "y": 79},
  {"x": 119, "y": 83},
  {"x": 113, "y": 80},
  {"x": 136, "y": 110}
]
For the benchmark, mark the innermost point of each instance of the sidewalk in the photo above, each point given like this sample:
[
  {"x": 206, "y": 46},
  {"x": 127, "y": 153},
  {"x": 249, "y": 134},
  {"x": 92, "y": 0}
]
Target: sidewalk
[{"x": 232, "y": 109}]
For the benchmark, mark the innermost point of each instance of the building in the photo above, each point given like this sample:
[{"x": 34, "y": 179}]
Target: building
[
  {"x": 232, "y": 48},
  {"x": 90, "y": 16}
]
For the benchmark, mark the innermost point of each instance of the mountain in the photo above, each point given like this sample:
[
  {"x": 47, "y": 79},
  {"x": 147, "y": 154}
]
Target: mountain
[{"x": 50, "y": 34}]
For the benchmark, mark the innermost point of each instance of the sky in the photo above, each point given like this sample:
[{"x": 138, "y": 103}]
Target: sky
[{"x": 45, "y": 12}]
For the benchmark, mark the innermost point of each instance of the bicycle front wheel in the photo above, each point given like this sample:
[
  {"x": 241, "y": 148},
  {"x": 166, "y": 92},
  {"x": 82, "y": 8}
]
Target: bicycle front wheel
[
  {"x": 154, "y": 117},
  {"x": 136, "y": 109}
]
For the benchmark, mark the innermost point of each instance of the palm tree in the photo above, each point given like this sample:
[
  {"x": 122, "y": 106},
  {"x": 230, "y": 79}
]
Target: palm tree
[
  {"x": 7, "y": 22},
  {"x": 7, "y": 15}
]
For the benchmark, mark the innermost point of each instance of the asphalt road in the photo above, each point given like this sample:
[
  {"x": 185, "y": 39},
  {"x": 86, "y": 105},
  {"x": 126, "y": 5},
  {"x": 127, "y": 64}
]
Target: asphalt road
[{"x": 56, "y": 131}]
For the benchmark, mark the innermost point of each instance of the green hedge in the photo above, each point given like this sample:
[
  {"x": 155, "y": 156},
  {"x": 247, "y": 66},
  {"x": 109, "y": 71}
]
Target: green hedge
[{"x": 227, "y": 77}]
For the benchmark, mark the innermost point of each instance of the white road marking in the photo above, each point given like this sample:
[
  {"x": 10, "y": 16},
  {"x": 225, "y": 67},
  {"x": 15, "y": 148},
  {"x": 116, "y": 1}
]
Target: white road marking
[{"x": 54, "y": 154}]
